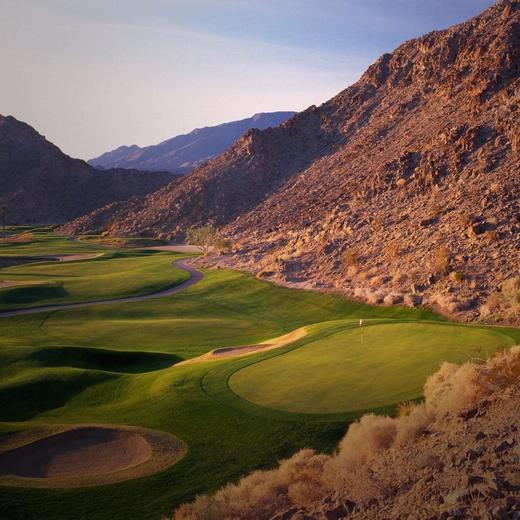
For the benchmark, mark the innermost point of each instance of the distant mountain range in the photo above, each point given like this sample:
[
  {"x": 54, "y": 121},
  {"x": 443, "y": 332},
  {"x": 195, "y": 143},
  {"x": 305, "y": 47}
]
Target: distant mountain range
[
  {"x": 183, "y": 153},
  {"x": 40, "y": 184}
]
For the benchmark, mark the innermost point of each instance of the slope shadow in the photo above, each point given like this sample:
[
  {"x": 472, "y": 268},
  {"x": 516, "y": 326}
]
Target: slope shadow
[{"x": 102, "y": 359}]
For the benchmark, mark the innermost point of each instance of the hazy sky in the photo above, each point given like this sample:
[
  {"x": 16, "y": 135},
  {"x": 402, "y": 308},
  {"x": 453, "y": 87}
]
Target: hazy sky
[{"x": 94, "y": 74}]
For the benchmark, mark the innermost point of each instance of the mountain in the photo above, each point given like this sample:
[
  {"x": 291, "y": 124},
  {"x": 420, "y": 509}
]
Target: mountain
[
  {"x": 402, "y": 188},
  {"x": 40, "y": 184},
  {"x": 183, "y": 153}
]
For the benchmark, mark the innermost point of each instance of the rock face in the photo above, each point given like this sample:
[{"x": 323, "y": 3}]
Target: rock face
[
  {"x": 183, "y": 153},
  {"x": 414, "y": 169},
  {"x": 40, "y": 184}
]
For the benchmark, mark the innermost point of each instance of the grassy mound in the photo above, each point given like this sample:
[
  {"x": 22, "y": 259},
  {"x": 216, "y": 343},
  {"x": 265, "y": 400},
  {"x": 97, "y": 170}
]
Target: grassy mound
[{"x": 27, "y": 293}]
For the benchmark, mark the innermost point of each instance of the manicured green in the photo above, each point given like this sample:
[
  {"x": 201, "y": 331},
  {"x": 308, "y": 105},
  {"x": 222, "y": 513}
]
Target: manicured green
[
  {"x": 43, "y": 242},
  {"x": 359, "y": 368},
  {"x": 117, "y": 363},
  {"x": 111, "y": 275},
  {"x": 226, "y": 308}
]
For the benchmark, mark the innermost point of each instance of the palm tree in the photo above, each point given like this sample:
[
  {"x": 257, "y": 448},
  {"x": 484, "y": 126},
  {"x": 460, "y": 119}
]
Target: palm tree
[{"x": 3, "y": 215}]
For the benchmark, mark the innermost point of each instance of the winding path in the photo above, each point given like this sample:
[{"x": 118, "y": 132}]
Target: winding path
[{"x": 195, "y": 276}]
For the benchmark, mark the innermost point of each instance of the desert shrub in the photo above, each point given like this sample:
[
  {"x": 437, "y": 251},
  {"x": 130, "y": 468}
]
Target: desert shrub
[
  {"x": 393, "y": 299},
  {"x": 452, "y": 389},
  {"x": 440, "y": 259},
  {"x": 511, "y": 291},
  {"x": 494, "y": 301},
  {"x": 202, "y": 236},
  {"x": 351, "y": 258},
  {"x": 412, "y": 300},
  {"x": 466, "y": 219},
  {"x": 500, "y": 372},
  {"x": 223, "y": 244},
  {"x": 360, "y": 293},
  {"x": 367, "y": 437},
  {"x": 303, "y": 474},
  {"x": 374, "y": 297},
  {"x": 415, "y": 422},
  {"x": 490, "y": 236},
  {"x": 393, "y": 251},
  {"x": 404, "y": 409},
  {"x": 457, "y": 276}
]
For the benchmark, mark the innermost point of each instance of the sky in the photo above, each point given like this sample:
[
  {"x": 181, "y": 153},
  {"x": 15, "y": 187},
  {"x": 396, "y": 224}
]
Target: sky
[{"x": 93, "y": 75}]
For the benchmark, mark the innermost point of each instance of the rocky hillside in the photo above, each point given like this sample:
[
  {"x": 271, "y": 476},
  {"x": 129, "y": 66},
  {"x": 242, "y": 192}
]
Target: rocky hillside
[
  {"x": 403, "y": 187},
  {"x": 40, "y": 184},
  {"x": 454, "y": 456},
  {"x": 183, "y": 153}
]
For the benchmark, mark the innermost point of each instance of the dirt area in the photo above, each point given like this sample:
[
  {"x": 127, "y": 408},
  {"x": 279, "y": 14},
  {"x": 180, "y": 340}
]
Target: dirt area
[
  {"x": 85, "y": 455},
  {"x": 177, "y": 248}
]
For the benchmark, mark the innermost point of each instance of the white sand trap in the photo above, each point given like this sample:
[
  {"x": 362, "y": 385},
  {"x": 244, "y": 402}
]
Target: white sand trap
[{"x": 85, "y": 455}]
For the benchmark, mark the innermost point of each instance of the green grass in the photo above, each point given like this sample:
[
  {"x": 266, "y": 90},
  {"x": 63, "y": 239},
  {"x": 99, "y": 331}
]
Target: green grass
[
  {"x": 112, "y": 275},
  {"x": 361, "y": 368},
  {"x": 44, "y": 242},
  {"x": 116, "y": 363},
  {"x": 226, "y": 308}
]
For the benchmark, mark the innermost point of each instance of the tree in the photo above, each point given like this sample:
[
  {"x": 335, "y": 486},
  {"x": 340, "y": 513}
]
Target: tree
[
  {"x": 203, "y": 237},
  {"x": 3, "y": 215}
]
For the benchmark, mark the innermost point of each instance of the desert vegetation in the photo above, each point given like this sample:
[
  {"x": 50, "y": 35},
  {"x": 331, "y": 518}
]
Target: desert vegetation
[
  {"x": 505, "y": 301},
  {"x": 351, "y": 260},
  {"x": 204, "y": 237},
  {"x": 440, "y": 259}
]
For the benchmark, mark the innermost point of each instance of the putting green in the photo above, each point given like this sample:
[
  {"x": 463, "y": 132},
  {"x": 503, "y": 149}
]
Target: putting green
[{"x": 361, "y": 368}]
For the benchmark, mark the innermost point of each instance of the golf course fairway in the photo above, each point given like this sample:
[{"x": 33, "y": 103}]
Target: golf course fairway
[
  {"x": 120, "y": 363},
  {"x": 360, "y": 368}
]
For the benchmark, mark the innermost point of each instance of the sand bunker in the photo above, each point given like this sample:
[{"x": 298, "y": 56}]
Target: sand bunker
[
  {"x": 85, "y": 455},
  {"x": 8, "y": 283},
  {"x": 244, "y": 350},
  {"x": 77, "y": 257}
]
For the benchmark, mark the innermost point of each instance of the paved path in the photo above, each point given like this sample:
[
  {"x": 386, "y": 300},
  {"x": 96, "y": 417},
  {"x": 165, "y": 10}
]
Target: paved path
[{"x": 195, "y": 276}]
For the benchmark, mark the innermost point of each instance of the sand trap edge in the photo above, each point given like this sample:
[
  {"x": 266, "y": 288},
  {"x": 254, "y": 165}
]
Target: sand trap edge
[{"x": 167, "y": 450}]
